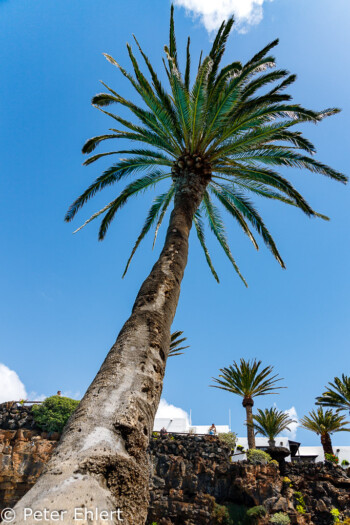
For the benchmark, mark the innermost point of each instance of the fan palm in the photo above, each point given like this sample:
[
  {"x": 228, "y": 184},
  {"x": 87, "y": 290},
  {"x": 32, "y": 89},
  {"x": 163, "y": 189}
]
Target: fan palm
[
  {"x": 247, "y": 380},
  {"x": 175, "y": 341},
  {"x": 271, "y": 422},
  {"x": 324, "y": 423},
  {"x": 337, "y": 394},
  {"x": 216, "y": 141}
]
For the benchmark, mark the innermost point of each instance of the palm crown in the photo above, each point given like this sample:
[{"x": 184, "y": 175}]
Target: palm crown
[
  {"x": 337, "y": 394},
  {"x": 324, "y": 422},
  {"x": 221, "y": 127},
  {"x": 247, "y": 380},
  {"x": 271, "y": 422}
]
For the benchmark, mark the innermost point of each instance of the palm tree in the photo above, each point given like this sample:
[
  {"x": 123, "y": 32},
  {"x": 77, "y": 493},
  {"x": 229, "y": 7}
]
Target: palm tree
[
  {"x": 175, "y": 341},
  {"x": 248, "y": 381},
  {"x": 271, "y": 422},
  {"x": 337, "y": 394},
  {"x": 219, "y": 139},
  {"x": 324, "y": 423}
]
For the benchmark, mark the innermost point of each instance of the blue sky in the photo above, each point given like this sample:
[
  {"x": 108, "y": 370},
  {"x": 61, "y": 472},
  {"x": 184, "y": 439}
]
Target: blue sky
[{"x": 62, "y": 297}]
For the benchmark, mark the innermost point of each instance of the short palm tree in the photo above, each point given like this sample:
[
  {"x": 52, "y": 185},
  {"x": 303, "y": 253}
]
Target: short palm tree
[
  {"x": 324, "y": 423},
  {"x": 337, "y": 394},
  {"x": 175, "y": 341},
  {"x": 247, "y": 380},
  {"x": 271, "y": 422},
  {"x": 219, "y": 140}
]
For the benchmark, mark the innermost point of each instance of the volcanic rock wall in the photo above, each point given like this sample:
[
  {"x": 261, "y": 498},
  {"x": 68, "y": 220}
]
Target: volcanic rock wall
[{"x": 189, "y": 477}]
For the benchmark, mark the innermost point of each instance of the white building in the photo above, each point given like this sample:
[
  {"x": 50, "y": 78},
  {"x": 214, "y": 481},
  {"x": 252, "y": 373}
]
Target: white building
[
  {"x": 298, "y": 452},
  {"x": 182, "y": 426}
]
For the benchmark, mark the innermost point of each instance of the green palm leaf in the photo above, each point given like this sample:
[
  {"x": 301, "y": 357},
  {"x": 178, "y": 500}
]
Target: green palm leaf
[
  {"x": 271, "y": 422},
  {"x": 337, "y": 394},
  {"x": 217, "y": 226},
  {"x": 324, "y": 421},
  {"x": 235, "y": 125},
  {"x": 246, "y": 379},
  {"x": 175, "y": 341}
]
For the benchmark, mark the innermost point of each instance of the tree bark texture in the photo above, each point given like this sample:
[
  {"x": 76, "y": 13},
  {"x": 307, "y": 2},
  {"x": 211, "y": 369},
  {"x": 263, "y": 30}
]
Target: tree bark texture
[
  {"x": 101, "y": 461},
  {"x": 248, "y": 404},
  {"x": 327, "y": 443}
]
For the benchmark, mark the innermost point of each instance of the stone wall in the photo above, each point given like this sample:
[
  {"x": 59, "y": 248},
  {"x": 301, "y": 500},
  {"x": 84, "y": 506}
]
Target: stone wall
[
  {"x": 23, "y": 454},
  {"x": 189, "y": 477},
  {"x": 323, "y": 487},
  {"x": 14, "y": 417}
]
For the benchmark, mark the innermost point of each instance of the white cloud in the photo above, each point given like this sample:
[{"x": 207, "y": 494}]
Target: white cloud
[
  {"x": 167, "y": 411},
  {"x": 292, "y": 413},
  {"x": 213, "y": 12},
  {"x": 11, "y": 387}
]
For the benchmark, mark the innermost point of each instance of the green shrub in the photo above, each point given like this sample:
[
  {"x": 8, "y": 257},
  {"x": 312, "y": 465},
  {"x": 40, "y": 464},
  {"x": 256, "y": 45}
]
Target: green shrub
[
  {"x": 280, "y": 518},
  {"x": 221, "y": 515},
  {"x": 332, "y": 458},
  {"x": 240, "y": 448},
  {"x": 229, "y": 439},
  {"x": 335, "y": 514},
  {"x": 54, "y": 412},
  {"x": 301, "y": 507},
  {"x": 256, "y": 512},
  {"x": 258, "y": 457},
  {"x": 274, "y": 462},
  {"x": 345, "y": 463},
  {"x": 232, "y": 514}
]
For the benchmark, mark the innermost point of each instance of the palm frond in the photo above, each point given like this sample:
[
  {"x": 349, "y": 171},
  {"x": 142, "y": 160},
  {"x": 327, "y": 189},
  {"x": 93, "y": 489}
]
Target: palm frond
[
  {"x": 237, "y": 119},
  {"x": 324, "y": 422},
  {"x": 217, "y": 226},
  {"x": 150, "y": 219},
  {"x": 175, "y": 342},
  {"x": 337, "y": 394},
  {"x": 163, "y": 210},
  {"x": 245, "y": 379},
  {"x": 198, "y": 223},
  {"x": 188, "y": 65},
  {"x": 245, "y": 207},
  {"x": 270, "y": 422}
]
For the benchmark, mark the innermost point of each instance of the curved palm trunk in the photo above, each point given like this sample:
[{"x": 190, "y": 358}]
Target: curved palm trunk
[
  {"x": 326, "y": 443},
  {"x": 248, "y": 404},
  {"x": 101, "y": 461}
]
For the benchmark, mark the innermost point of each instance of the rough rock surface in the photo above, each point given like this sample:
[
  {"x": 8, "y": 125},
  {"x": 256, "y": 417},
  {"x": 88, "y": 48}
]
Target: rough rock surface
[
  {"x": 23, "y": 454},
  {"x": 323, "y": 487},
  {"x": 190, "y": 476},
  {"x": 14, "y": 417}
]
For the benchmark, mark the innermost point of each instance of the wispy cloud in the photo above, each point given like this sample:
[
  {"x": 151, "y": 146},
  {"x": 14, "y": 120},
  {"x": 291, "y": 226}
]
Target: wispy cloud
[
  {"x": 292, "y": 413},
  {"x": 213, "y": 12}
]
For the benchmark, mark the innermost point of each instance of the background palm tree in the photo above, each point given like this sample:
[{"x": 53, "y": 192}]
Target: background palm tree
[
  {"x": 337, "y": 394},
  {"x": 219, "y": 139},
  {"x": 175, "y": 341},
  {"x": 248, "y": 381},
  {"x": 324, "y": 423},
  {"x": 270, "y": 422}
]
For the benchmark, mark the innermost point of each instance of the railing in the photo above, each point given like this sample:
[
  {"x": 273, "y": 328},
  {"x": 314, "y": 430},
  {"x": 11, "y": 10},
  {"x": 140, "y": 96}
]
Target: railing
[
  {"x": 192, "y": 434},
  {"x": 25, "y": 402}
]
